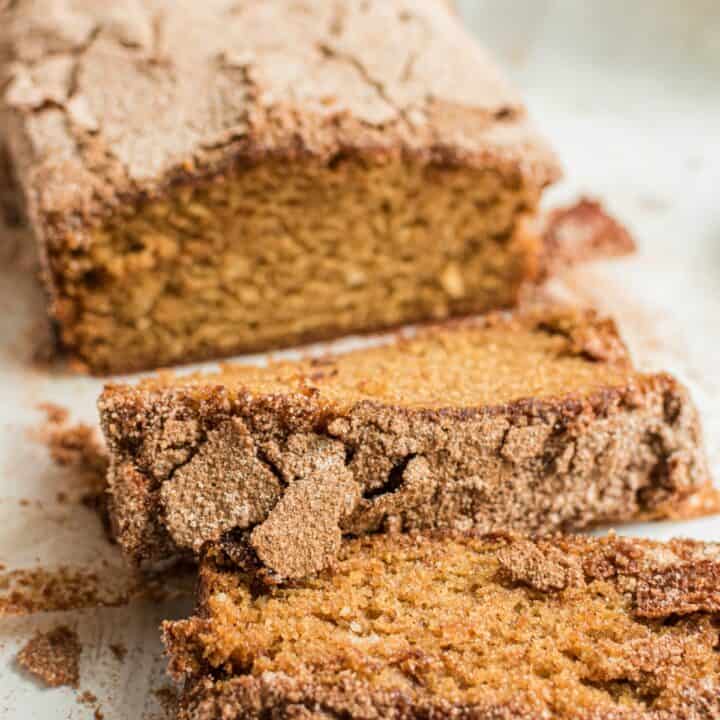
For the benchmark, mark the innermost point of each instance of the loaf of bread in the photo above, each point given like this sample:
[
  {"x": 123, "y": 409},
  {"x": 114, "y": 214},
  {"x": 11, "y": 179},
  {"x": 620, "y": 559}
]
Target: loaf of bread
[{"x": 216, "y": 177}]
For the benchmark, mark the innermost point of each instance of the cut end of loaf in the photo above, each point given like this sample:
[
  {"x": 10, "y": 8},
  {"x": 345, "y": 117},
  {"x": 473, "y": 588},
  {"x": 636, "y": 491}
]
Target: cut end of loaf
[{"x": 284, "y": 253}]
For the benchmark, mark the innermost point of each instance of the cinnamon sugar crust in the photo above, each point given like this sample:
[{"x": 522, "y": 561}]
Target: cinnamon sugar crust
[
  {"x": 200, "y": 190},
  {"x": 500, "y": 627},
  {"x": 534, "y": 422}
]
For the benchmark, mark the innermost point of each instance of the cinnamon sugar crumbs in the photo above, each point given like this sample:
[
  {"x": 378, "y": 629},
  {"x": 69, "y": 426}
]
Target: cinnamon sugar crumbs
[
  {"x": 53, "y": 657},
  {"x": 75, "y": 446},
  {"x": 168, "y": 698},
  {"x": 61, "y": 588},
  {"x": 29, "y": 591},
  {"x": 56, "y": 414},
  {"x": 119, "y": 651},
  {"x": 79, "y": 448},
  {"x": 89, "y": 698}
]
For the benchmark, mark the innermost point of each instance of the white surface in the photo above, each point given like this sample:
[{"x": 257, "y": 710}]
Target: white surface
[{"x": 630, "y": 94}]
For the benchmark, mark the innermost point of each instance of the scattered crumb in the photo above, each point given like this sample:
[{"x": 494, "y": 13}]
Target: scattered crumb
[
  {"x": 87, "y": 698},
  {"x": 119, "y": 651},
  {"x": 56, "y": 414},
  {"x": 24, "y": 502},
  {"x": 28, "y": 591},
  {"x": 168, "y": 698},
  {"x": 25, "y": 592},
  {"x": 53, "y": 657},
  {"x": 76, "y": 446},
  {"x": 583, "y": 231}
]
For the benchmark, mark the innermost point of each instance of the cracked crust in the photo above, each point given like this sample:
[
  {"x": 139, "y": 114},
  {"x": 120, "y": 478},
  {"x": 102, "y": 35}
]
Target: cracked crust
[
  {"x": 357, "y": 90},
  {"x": 158, "y": 143},
  {"x": 533, "y": 422},
  {"x": 499, "y": 627}
]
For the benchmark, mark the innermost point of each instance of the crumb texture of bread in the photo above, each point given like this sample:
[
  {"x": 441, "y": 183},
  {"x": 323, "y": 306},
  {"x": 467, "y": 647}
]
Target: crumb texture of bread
[
  {"x": 199, "y": 189},
  {"x": 456, "y": 625},
  {"x": 533, "y": 422}
]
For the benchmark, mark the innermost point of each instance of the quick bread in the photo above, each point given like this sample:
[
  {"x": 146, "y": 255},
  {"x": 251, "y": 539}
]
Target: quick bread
[{"x": 199, "y": 188}]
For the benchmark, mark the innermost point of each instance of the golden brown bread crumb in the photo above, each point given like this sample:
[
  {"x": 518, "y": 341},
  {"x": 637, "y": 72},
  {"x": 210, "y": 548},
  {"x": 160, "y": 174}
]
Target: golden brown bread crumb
[
  {"x": 534, "y": 422},
  {"x": 53, "y": 657},
  {"x": 462, "y": 626}
]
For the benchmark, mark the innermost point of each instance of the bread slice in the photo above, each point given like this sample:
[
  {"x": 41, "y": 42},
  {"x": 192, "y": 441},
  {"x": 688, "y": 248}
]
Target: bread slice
[
  {"x": 531, "y": 422},
  {"x": 460, "y": 626}
]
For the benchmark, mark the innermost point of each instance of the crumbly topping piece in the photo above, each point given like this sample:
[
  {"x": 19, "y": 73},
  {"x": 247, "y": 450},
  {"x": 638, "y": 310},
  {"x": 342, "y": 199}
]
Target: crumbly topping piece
[
  {"x": 224, "y": 486},
  {"x": 53, "y": 657},
  {"x": 543, "y": 568},
  {"x": 77, "y": 446},
  {"x": 580, "y": 232},
  {"x": 302, "y": 533},
  {"x": 680, "y": 590}
]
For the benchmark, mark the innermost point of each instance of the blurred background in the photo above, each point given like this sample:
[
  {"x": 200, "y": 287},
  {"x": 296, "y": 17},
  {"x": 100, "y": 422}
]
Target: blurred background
[{"x": 629, "y": 91}]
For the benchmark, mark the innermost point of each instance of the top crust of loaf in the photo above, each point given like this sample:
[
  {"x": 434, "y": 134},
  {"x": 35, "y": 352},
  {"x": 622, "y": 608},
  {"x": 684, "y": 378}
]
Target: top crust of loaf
[{"x": 110, "y": 101}]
